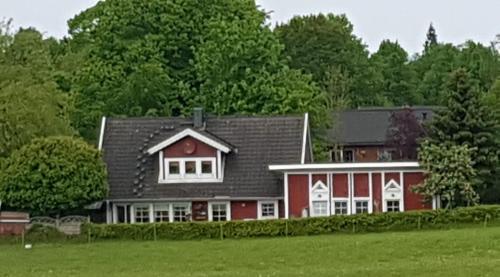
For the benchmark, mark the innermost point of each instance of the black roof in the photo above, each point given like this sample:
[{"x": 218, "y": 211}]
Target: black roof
[
  {"x": 368, "y": 126},
  {"x": 256, "y": 142}
]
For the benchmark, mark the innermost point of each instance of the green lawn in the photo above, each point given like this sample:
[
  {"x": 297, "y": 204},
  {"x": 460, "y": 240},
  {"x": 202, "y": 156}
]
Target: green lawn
[{"x": 462, "y": 252}]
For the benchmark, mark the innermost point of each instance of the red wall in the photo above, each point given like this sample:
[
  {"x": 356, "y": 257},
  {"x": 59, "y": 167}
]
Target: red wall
[
  {"x": 321, "y": 177},
  {"x": 177, "y": 149},
  {"x": 361, "y": 187},
  {"x": 243, "y": 210},
  {"x": 414, "y": 201},
  {"x": 298, "y": 193},
  {"x": 377, "y": 192},
  {"x": 340, "y": 185},
  {"x": 391, "y": 175}
]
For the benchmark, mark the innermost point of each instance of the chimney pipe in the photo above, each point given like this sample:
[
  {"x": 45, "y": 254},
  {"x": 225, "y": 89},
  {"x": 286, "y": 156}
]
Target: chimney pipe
[{"x": 198, "y": 121}]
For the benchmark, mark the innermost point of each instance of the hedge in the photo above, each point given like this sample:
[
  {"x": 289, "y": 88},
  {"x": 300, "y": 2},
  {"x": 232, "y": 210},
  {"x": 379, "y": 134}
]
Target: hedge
[{"x": 380, "y": 222}]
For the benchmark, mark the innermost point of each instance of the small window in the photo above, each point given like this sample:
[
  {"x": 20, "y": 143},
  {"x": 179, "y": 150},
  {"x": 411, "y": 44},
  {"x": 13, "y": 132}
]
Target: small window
[
  {"x": 180, "y": 212},
  {"x": 190, "y": 167},
  {"x": 348, "y": 156},
  {"x": 340, "y": 207},
  {"x": 361, "y": 207},
  {"x": 173, "y": 168},
  {"x": 320, "y": 208},
  {"x": 142, "y": 214},
  {"x": 267, "y": 210},
  {"x": 219, "y": 212},
  {"x": 206, "y": 167},
  {"x": 393, "y": 206},
  {"x": 162, "y": 213}
]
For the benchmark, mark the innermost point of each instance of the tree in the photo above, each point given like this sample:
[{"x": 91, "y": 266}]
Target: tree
[
  {"x": 164, "y": 57},
  {"x": 450, "y": 175},
  {"x": 399, "y": 79},
  {"x": 466, "y": 120},
  {"x": 51, "y": 175},
  {"x": 431, "y": 38},
  {"x": 318, "y": 44},
  {"x": 403, "y": 134}
]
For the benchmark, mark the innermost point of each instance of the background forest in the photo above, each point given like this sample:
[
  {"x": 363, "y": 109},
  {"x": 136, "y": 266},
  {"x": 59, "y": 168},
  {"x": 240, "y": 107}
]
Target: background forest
[{"x": 162, "y": 58}]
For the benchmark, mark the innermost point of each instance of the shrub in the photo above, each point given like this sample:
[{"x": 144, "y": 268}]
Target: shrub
[{"x": 413, "y": 220}]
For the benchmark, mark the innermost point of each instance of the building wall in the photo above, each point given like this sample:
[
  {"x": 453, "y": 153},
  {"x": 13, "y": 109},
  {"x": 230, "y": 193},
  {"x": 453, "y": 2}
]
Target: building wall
[
  {"x": 182, "y": 149},
  {"x": 243, "y": 210},
  {"x": 365, "y": 153},
  {"x": 414, "y": 201},
  {"x": 361, "y": 187},
  {"x": 377, "y": 192},
  {"x": 298, "y": 194},
  {"x": 340, "y": 186}
]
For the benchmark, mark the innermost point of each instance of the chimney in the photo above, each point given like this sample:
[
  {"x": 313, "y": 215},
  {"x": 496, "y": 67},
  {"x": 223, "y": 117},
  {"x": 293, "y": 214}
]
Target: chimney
[{"x": 198, "y": 120}]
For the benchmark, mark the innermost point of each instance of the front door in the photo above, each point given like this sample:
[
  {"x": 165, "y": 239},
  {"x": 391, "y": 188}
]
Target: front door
[{"x": 122, "y": 213}]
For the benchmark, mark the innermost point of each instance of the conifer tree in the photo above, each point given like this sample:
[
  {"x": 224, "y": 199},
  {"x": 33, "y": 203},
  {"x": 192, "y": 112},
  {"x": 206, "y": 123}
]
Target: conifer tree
[
  {"x": 466, "y": 120},
  {"x": 431, "y": 38}
]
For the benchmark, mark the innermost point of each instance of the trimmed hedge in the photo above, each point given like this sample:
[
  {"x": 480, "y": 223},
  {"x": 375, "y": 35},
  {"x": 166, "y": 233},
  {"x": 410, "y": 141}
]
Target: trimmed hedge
[{"x": 380, "y": 222}]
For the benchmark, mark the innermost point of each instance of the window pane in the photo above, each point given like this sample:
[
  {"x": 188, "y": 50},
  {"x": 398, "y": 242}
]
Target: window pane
[
  {"x": 219, "y": 212},
  {"x": 320, "y": 208},
  {"x": 173, "y": 168},
  {"x": 393, "y": 206},
  {"x": 162, "y": 213},
  {"x": 361, "y": 207},
  {"x": 180, "y": 212},
  {"x": 267, "y": 209},
  {"x": 206, "y": 167},
  {"x": 190, "y": 167},
  {"x": 340, "y": 207},
  {"x": 142, "y": 214}
]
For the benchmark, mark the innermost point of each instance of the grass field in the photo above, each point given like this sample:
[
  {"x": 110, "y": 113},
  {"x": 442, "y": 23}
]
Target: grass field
[{"x": 462, "y": 252}]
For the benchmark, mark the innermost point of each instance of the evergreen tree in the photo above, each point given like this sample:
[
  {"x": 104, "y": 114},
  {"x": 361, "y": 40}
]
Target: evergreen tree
[
  {"x": 466, "y": 120},
  {"x": 431, "y": 38}
]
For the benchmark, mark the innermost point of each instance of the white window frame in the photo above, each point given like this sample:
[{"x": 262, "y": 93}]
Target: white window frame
[
  {"x": 183, "y": 177},
  {"x": 356, "y": 200},
  {"x": 162, "y": 207},
  {"x": 141, "y": 206},
  {"x": 393, "y": 200},
  {"x": 187, "y": 213},
  {"x": 228, "y": 209},
  {"x": 340, "y": 200},
  {"x": 259, "y": 209},
  {"x": 313, "y": 210}
]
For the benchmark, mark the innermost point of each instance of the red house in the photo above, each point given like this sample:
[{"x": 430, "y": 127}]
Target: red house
[{"x": 239, "y": 168}]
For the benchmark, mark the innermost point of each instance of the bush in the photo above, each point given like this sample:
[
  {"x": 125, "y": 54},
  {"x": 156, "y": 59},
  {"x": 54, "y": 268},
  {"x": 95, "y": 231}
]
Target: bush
[{"x": 413, "y": 220}]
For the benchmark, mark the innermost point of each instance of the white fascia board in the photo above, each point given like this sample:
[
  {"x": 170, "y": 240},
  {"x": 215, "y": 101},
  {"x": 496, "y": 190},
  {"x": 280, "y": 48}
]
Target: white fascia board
[
  {"x": 345, "y": 166},
  {"x": 101, "y": 135},
  {"x": 304, "y": 139},
  {"x": 191, "y": 133}
]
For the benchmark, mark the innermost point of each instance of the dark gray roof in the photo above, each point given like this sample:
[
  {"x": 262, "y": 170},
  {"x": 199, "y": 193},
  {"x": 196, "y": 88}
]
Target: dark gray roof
[
  {"x": 368, "y": 126},
  {"x": 256, "y": 142}
]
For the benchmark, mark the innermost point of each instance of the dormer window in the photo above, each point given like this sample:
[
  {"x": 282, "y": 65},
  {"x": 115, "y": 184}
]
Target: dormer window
[{"x": 191, "y": 157}]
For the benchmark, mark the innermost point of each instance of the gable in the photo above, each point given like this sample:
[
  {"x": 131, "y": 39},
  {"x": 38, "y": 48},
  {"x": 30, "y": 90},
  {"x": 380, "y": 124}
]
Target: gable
[
  {"x": 189, "y": 147},
  {"x": 189, "y": 133}
]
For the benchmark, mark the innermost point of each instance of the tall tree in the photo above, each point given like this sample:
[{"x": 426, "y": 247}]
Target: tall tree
[
  {"x": 403, "y": 134},
  {"x": 318, "y": 44},
  {"x": 399, "y": 79},
  {"x": 163, "y": 57},
  {"x": 431, "y": 38},
  {"x": 466, "y": 120}
]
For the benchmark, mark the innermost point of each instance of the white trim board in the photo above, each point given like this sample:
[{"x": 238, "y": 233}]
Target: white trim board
[
  {"x": 304, "y": 139},
  {"x": 191, "y": 133},
  {"x": 346, "y": 166},
  {"x": 101, "y": 134}
]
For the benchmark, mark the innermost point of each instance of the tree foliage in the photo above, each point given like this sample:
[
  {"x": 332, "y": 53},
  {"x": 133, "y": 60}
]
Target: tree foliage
[
  {"x": 164, "y": 57},
  {"x": 466, "y": 120},
  {"x": 53, "y": 174},
  {"x": 404, "y": 133},
  {"x": 451, "y": 174},
  {"x": 432, "y": 39}
]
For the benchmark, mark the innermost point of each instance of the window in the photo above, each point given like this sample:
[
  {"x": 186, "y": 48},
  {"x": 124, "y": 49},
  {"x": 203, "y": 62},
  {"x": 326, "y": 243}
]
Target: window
[
  {"x": 206, "y": 167},
  {"x": 162, "y": 213},
  {"x": 219, "y": 212},
  {"x": 361, "y": 207},
  {"x": 393, "y": 206},
  {"x": 348, "y": 156},
  {"x": 384, "y": 155},
  {"x": 267, "y": 209},
  {"x": 320, "y": 208},
  {"x": 173, "y": 168},
  {"x": 340, "y": 207},
  {"x": 181, "y": 212},
  {"x": 190, "y": 167},
  {"x": 142, "y": 214}
]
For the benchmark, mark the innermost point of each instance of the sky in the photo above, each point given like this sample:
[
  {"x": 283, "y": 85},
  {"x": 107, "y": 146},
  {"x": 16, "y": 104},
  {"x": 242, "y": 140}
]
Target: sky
[{"x": 374, "y": 20}]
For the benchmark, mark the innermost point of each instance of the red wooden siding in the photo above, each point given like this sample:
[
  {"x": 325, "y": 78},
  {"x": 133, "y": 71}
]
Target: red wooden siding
[
  {"x": 391, "y": 175},
  {"x": 243, "y": 210},
  {"x": 414, "y": 201},
  {"x": 340, "y": 185},
  {"x": 361, "y": 188},
  {"x": 298, "y": 193},
  {"x": 176, "y": 150},
  {"x": 377, "y": 192},
  {"x": 319, "y": 177}
]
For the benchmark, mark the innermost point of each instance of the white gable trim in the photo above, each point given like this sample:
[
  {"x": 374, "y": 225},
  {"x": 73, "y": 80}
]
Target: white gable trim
[
  {"x": 392, "y": 182},
  {"x": 101, "y": 135},
  {"x": 319, "y": 186},
  {"x": 304, "y": 139},
  {"x": 191, "y": 133}
]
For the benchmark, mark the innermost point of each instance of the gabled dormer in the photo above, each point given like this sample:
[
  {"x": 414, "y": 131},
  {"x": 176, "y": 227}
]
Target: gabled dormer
[{"x": 191, "y": 156}]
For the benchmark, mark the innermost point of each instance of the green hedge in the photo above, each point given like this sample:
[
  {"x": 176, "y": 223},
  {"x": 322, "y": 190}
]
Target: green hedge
[{"x": 413, "y": 220}]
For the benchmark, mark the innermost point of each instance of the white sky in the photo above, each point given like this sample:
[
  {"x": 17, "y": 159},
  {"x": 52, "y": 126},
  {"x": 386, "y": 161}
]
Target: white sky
[{"x": 374, "y": 20}]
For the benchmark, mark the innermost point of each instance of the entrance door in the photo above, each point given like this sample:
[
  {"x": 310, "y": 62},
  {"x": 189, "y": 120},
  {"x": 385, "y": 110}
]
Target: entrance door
[{"x": 123, "y": 213}]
